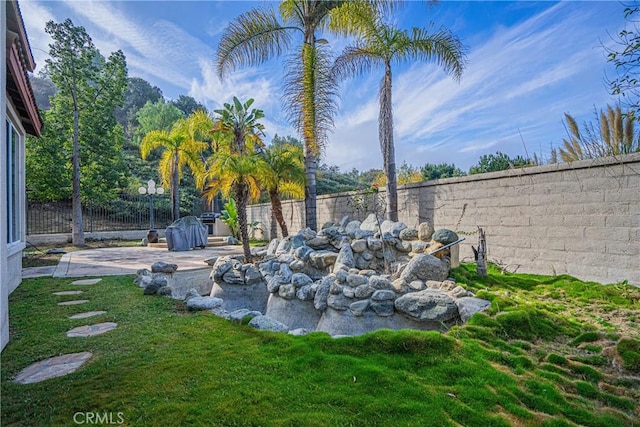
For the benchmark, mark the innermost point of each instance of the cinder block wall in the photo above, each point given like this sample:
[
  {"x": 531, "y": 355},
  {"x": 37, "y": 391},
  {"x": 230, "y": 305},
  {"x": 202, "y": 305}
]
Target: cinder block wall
[{"x": 580, "y": 218}]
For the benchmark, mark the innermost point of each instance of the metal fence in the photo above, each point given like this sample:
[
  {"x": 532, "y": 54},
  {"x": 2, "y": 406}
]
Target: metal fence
[{"x": 128, "y": 212}]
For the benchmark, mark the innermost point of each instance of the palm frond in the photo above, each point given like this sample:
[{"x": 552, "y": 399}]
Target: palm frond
[
  {"x": 153, "y": 140},
  {"x": 443, "y": 47},
  {"x": 252, "y": 38},
  {"x": 355, "y": 60}
]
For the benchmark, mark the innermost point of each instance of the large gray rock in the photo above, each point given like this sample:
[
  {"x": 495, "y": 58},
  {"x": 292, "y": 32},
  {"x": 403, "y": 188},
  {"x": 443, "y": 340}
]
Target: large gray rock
[
  {"x": 425, "y": 267},
  {"x": 238, "y": 315},
  {"x": 163, "y": 267},
  {"x": 284, "y": 246},
  {"x": 359, "y": 307},
  {"x": 203, "y": 303},
  {"x": 356, "y": 280},
  {"x": 323, "y": 259},
  {"x": 409, "y": 234},
  {"x": 303, "y": 252},
  {"x": 371, "y": 223},
  {"x": 300, "y": 279},
  {"x": 382, "y": 308},
  {"x": 468, "y": 306},
  {"x": 320, "y": 299},
  {"x": 318, "y": 243},
  {"x": 425, "y": 231},
  {"x": 391, "y": 227},
  {"x": 427, "y": 305},
  {"x": 339, "y": 302},
  {"x": 307, "y": 234},
  {"x": 287, "y": 291},
  {"x": 271, "y": 249},
  {"x": 266, "y": 323},
  {"x": 383, "y": 295},
  {"x": 363, "y": 291},
  {"x": 252, "y": 275},
  {"x": 345, "y": 258},
  {"x": 444, "y": 236},
  {"x": 352, "y": 227},
  {"x": 359, "y": 245}
]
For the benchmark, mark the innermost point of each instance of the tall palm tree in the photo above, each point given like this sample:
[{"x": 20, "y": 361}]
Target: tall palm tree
[
  {"x": 282, "y": 173},
  {"x": 233, "y": 169},
  {"x": 182, "y": 146},
  {"x": 615, "y": 134},
  {"x": 380, "y": 46},
  {"x": 310, "y": 98}
]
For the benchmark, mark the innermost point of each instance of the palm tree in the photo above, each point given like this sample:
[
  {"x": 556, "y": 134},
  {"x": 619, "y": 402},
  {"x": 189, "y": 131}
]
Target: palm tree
[
  {"x": 182, "y": 146},
  {"x": 614, "y": 135},
  {"x": 310, "y": 98},
  {"x": 282, "y": 173},
  {"x": 381, "y": 45},
  {"x": 234, "y": 168}
]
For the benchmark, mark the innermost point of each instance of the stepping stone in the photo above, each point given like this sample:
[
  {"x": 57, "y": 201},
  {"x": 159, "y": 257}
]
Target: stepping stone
[
  {"x": 68, "y": 293},
  {"x": 87, "y": 314},
  {"x": 86, "y": 282},
  {"x": 76, "y": 302},
  {"x": 91, "y": 330},
  {"x": 52, "y": 367}
]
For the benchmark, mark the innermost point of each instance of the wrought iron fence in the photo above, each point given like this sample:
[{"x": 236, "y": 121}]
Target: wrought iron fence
[{"x": 128, "y": 212}]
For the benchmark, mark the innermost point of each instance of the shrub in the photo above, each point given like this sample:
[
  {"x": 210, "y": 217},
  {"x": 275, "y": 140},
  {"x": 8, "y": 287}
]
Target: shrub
[{"x": 629, "y": 352}]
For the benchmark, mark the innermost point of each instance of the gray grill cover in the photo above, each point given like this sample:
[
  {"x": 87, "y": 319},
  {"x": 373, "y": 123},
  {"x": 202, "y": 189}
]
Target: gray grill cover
[{"x": 186, "y": 233}]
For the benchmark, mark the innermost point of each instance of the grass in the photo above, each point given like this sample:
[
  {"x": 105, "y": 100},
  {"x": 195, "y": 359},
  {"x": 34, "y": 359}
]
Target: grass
[
  {"x": 519, "y": 364},
  {"x": 37, "y": 256}
]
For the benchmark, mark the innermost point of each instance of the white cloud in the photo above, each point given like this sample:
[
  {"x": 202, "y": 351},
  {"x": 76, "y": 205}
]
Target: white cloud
[{"x": 35, "y": 16}]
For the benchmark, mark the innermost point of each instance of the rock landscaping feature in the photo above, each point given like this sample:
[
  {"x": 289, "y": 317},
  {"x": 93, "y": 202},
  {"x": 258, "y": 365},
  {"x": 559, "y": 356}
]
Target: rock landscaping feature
[
  {"x": 91, "y": 330},
  {"x": 349, "y": 278},
  {"x": 86, "y": 314},
  {"x": 165, "y": 280},
  {"x": 53, "y": 367},
  {"x": 75, "y": 302},
  {"x": 86, "y": 282}
]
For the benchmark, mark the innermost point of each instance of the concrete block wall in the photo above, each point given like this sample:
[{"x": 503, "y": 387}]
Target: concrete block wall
[{"x": 580, "y": 218}]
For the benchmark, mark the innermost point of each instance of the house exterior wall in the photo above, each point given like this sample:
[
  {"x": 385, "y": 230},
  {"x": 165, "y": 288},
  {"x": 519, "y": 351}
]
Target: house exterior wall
[
  {"x": 580, "y": 218},
  {"x": 4, "y": 255}
]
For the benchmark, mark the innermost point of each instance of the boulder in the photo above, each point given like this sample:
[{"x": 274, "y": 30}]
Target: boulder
[
  {"x": 427, "y": 305},
  {"x": 425, "y": 267},
  {"x": 305, "y": 293},
  {"x": 374, "y": 244},
  {"x": 383, "y": 295},
  {"x": 271, "y": 249},
  {"x": 444, "y": 236},
  {"x": 252, "y": 275},
  {"x": 287, "y": 291},
  {"x": 339, "y": 302},
  {"x": 307, "y": 233},
  {"x": 359, "y": 245},
  {"x": 363, "y": 291},
  {"x": 322, "y": 293},
  {"x": 391, "y": 227},
  {"x": 300, "y": 279},
  {"x": 238, "y": 315},
  {"x": 203, "y": 303},
  {"x": 345, "y": 258},
  {"x": 268, "y": 324},
  {"x": 408, "y": 234},
  {"x": 468, "y": 306},
  {"x": 322, "y": 259},
  {"x": 356, "y": 280},
  {"x": 425, "y": 230},
  {"x": 318, "y": 243},
  {"x": 163, "y": 267},
  {"x": 359, "y": 307},
  {"x": 371, "y": 223},
  {"x": 382, "y": 308}
]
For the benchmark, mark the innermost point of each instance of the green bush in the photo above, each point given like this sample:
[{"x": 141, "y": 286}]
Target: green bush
[
  {"x": 557, "y": 359},
  {"x": 585, "y": 337},
  {"x": 629, "y": 352}
]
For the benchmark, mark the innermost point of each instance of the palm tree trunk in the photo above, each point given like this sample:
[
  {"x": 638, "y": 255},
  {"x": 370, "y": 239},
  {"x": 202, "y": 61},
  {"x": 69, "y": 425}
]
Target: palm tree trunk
[
  {"x": 311, "y": 149},
  {"x": 77, "y": 236},
  {"x": 310, "y": 168},
  {"x": 241, "y": 196},
  {"x": 276, "y": 207},
  {"x": 175, "y": 194},
  {"x": 385, "y": 133}
]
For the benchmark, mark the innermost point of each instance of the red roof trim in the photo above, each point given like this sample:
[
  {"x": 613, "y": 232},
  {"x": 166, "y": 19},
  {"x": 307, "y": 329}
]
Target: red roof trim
[
  {"x": 19, "y": 75},
  {"x": 31, "y": 63}
]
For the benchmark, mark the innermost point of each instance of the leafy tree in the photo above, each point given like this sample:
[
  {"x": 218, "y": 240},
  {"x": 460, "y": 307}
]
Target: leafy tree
[
  {"x": 614, "y": 134},
  {"x": 331, "y": 180},
  {"x": 380, "y": 45},
  {"x": 188, "y": 105},
  {"x": 497, "y": 162},
  {"x": 182, "y": 146},
  {"x": 90, "y": 88},
  {"x": 310, "y": 95},
  {"x": 234, "y": 168},
  {"x": 158, "y": 115},
  {"x": 443, "y": 170},
  {"x": 139, "y": 92},
  {"x": 282, "y": 140},
  {"x": 282, "y": 173},
  {"x": 625, "y": 57}
]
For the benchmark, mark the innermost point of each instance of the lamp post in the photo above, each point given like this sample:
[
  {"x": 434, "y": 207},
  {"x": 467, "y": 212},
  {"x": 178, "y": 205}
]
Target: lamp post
[{"x": 151, "y": 190}]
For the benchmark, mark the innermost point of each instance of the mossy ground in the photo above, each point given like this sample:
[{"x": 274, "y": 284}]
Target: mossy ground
[{"x": 547, "y": 353}]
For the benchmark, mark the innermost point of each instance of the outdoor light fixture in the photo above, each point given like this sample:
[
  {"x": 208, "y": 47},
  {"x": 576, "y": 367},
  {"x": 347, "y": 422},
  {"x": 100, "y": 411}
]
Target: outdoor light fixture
[{"x": 151, "y": 190}]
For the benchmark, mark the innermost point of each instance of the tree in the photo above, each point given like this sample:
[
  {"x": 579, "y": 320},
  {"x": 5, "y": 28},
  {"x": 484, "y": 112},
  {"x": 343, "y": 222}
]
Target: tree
[
  {"x": 89, "y": 86},
  {"x": 310, "y": 96},
  {"x": 443, "y": 170},
  {"x": 497, "y": 162},
  {"x": 379, "y": 46},
  {"x": 625, "y": 58},
  {"x": 188, "y": 105},
  {"x": 138, "y": 93},
  {"x": 282, "y": 173},
  {"x": 614, "y": 134},
  {"x": 234, "y": 167},
  {"x": 182, "y": 146},
  {"x": 158, "y": 115}
]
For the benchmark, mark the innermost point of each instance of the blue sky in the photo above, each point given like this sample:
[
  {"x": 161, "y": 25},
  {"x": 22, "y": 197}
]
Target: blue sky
[{"x": 529, "y": 63}]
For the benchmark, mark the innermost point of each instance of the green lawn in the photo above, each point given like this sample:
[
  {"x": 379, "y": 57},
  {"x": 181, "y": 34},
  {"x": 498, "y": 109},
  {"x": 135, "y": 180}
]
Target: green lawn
[{"x": 546, "y": 354}]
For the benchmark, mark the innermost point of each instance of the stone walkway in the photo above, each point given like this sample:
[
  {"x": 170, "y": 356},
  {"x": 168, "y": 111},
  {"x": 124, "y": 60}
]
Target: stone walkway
[{"x": 67, "y": 363}]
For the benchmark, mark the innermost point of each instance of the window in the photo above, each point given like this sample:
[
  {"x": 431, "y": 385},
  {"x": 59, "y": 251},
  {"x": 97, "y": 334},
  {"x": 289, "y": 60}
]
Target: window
[{"x": 14, "y": 225}]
